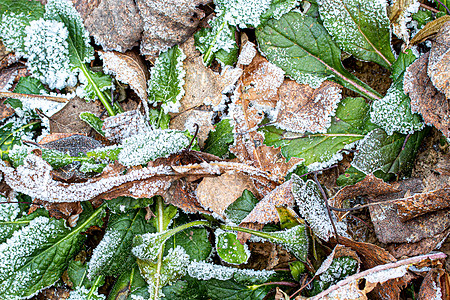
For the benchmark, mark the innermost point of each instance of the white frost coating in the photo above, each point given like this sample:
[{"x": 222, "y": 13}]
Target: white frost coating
[
  {"x": 369, "y": 157},
  {"x": 142, "y": 148},
  {"x": 48, "y": 53},
  {"x": 103, "y": 253},
  {"x": 390, "y": 112},
  {"x": 385, "y": 275},
  {"x": 247, "y": 54},
  {"x": 15, "y": 276},
  {"x": 206, "y": 271},
  {"x": 227, "y": 245},
  {"x": 65, "y": 8},
  {"x": 399, "y": 27},
  {"x": 242, "y": 13},
  {"x": 335, "y": 158},
  {"x": 12, "y": 31},
  {"x": 81, "y": 293},
  {"x": 8, "y": 211},
  {"x": 312, "y": 208}
]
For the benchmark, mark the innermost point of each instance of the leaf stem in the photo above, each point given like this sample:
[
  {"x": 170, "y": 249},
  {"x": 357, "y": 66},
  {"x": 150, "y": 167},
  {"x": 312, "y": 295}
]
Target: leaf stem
[
  {"x": 95, "y": 285},
  {"x": 246, "y": 230},
  {"x": 323, "y": 134},
  {"x": 20, "y": 96},
  {"x": 160, "y": 228},
  {"x": 98, "y": 92}
]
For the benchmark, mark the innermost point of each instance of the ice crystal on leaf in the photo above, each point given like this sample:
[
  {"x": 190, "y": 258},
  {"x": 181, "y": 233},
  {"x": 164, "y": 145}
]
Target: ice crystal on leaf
[
  {"x": 8, "y": 211},
  {"x": 81, "y": 293},
  {"x": 142, "y": 148},
  {"x": 312, "y": 207},
  {"x": 104, "y": 251},
  {"x": 242, "y": 13},
  {"x": 167, "y": 80},
  {"x": 206, "y": 271},
  {"x": 48, "y": 54},
  {"x": 12, "y": 31},
  {"x": 393, "y": 113}
]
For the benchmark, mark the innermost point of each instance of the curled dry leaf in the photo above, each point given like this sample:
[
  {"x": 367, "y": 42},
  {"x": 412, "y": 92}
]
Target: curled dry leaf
[
  {"x": 217, "y": 193},
  {"x": 202, "y": 85},
  {"x": 435, "y": 285},
  {"x": 425, "y": 98},
  {"x": 186, "y": 121},
  {"x": 114, "y": 24},
  {"x": 388, "y": 226},
  {"x": 429, "y": 30},
  {"x": 439, "y": 60},
  {"x": 303, "y": 108},
  {"x": 128, "y": 68},
  {"x": 400, "y": 14},
  {"x": 422, "y": 203},
  {"x": 167, "y": 23}
]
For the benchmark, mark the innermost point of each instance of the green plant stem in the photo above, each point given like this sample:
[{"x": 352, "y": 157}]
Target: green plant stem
[
  {"x": 160, "y": 228},
  {"x": 95, "y": 285},
  {"x": 98, "y": 92},
  {"x": 208, "y": 53},
  {"x": 246, "y": 230}
]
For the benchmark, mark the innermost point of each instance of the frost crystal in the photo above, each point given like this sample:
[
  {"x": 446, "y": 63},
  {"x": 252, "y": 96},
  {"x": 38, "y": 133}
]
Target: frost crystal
[
  {"x": 312, "y": 207},
  {"x": 103, "y": 253},
  {"x": 242, "y": 13},
  {"x": 81, "y": 293},
  {"x": 207, "y": 271},
  {"x": 142, "y": 148},
  {"x": 12, "y": 31},
  {"x": 393, "y": 113},
  {"x": 48, "y": 53},
  {"x": 8, "y": 211}
]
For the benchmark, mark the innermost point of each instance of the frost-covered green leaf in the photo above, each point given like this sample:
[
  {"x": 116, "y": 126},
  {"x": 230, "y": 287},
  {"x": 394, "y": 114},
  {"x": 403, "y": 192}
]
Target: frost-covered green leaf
[
  {"x": 231, "y": 290},
  {"x": 95, "y": 122},
  {"x": 126, "y": 204},
  {"x": 359, "y": 27},
  {"x": 392, "y": 154},
  {"x": 113, "y": 254},
  {"x": 206, "y": 271},
  {"x": 340, "y": 268},
  {"x": 173, "y": 267},
  {"x": 393, "y": 111},
  {"x": 230, "y": 249},
  {"x": 277, "y": 9},
  {"x": 82, "y": 293},
  {"x": 350, "y": 177},
  {"x": 47, "y": 52},
  {"x": 158, "y": 119},
  {"x": 311, "y": 207},
  {"x": 167, "y": 79},
  {"x": 94, "y": 83},
  {"x": 11, "y": 135},
  {"x": 302, "y": 47},
  {"x": 15, "y": 16},
  {"x": 37, "y": 254},
  {"x": 220, "y": 139},
  {"x": 187, "y": 288},
  {"x": 142, "y": 148},
  {"x": 293, "y": 239},
  {"x": 77, "y": 273},
  {"x": 239, "y": 209},
  {"x": 349, "y": 125},
  {"x": 26, "y": 85}
]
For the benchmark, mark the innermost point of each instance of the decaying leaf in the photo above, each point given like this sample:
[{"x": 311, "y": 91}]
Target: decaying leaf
[
  {"x": 429, "y": 30},
  {"x": 390, "y": 229},
  {"x": 435, "y": 285},
  {"x": 167, "y": 23},
  {"x": 439, "y": 61},
  {"x": 186, "y": 121},
  {"x": 400, "y": 14},
  {"x": 304, "y": 109},
  {"x": 370, "y": 185},
  {"x": 114, "y": 24},
  {"x": 425, "y": 98},
  {"x": 202, "y": 85},
  {"x": 128, "y": 68},
  {"x": 118, "y": 128},
  {"x": 217, "y": 193},
  {"x": 266, "y": 209}
]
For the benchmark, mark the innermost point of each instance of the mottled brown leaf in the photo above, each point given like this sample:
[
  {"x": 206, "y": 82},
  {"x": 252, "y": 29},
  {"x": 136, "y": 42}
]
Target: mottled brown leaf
[
  {"x": 425, "y": 98},
  {"x": 121, "y": 126},
  {"x": 439, "y": 60},
  {"x": 182, "y": 194},
  {"x": 217, "y": 193},
  {"x": 303, "y": 108},
  {"x": 186, "y": 121},
  {"x": 202, "y": 85},
  {"x": 390, "y": 229},
  {"x": 435, "y": 285},
  {"x": 167, "y": 23},
  {"x": 114, "y": 24},
  {"x": 420, "y": 204},
  {"x": 128, "y": 68},
  {"x": 429, "y": 30}
]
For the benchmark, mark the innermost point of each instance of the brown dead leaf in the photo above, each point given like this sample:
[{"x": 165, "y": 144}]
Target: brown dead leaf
[
  {"x": 128, "y": 68},
  {"x": 58, "y": 210},
  {"x": 435, "y": 285},
  {"x": 421, "y": 247},
  {"x": 390, "y": 229},
  {"x": 114, "y": 24},
  {"x": 429, "y": 30},
  {"x": 371, "y": 186},
  {"x": 303, "y": 108},
  {"x": 266, "y": 210},
  {"x": 182, "y": 194},
  {"x": 73, "y": 144},
  {"x": 121, "y": 126},
  {"x": 167, "y": 23},
  {"x": 399, "y": 14},
  {"x": 439, "y": 60},
  {"x": 425, "y": 98},
  {"x": 67, "y": 120},
  {"x": 217, "y": 193},
  {"x": 186, "y": 121},
  {"x": 55, "y": 136},
  {"x": 202, "y": 85}
]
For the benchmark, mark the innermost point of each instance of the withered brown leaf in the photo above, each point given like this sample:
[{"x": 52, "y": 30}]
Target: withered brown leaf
[
  {"x": 425, "y": 98},
  {"x": 439, "y": 60}
]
